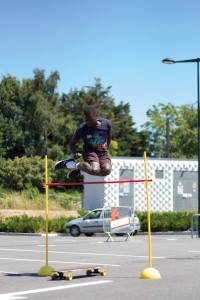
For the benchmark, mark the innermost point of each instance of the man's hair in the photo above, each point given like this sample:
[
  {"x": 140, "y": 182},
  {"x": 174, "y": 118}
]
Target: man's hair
[{"x": 90, "y": 110}]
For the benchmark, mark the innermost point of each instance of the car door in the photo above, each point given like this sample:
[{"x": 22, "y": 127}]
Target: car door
[{"x": 93, "y": 222}]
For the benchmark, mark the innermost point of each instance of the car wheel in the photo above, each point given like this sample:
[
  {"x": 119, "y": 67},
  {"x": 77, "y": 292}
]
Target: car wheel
[
  {"x": 89, "y": 234},
  {"x": 134, "y": 232},
  {"x": 119, "y": 234},
  {"x": 74, "y": 231}
]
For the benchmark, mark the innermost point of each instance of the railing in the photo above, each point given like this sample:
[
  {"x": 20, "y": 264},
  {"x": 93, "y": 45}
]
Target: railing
[
  {"x": 116, "y": 220},
  {"x": 197, "y": 225}
]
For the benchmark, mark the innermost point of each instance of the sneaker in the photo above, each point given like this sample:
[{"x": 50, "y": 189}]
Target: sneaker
[
  {"x": 73, "y": 173},
  {"x": 63, "y": 163}
]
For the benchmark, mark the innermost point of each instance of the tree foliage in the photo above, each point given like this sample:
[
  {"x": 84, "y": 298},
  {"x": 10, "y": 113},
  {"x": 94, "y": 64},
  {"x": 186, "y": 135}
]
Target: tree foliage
[
  {"x": 185, "y": 138},
  {"x": 25, "y": 172},
  {"x": 35, "y": 120},
  {"x": 182, "y": 131},
  {"x": 11, "y": 136}
]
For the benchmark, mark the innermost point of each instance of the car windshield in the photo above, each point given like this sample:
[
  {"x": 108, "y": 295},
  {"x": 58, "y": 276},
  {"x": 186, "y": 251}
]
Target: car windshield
[{"x": 93, "y": 215}]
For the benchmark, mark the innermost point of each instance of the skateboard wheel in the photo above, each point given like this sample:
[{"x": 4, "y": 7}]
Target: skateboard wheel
[
  {"x": 88, "y": 272},
  {"x": 54, "y": 276},
  {"x": 69, "y": 277},
  {"x": 103, "y": 272}
]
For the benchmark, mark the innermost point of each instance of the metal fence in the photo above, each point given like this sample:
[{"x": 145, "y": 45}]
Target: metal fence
[
  {"x": 116, "y": 220},
  {"x": 197, "y": 216}
]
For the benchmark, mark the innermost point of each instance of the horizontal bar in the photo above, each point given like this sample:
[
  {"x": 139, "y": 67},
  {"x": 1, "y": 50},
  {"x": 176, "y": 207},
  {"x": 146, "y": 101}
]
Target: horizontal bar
[{"x": 94, "y": 182}]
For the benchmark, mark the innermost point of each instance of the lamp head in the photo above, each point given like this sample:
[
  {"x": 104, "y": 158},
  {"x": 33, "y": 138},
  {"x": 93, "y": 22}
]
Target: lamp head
[{"x": 168, "y": 61}]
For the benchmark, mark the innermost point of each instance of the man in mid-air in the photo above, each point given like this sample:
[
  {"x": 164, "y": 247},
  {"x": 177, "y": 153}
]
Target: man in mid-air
[{"x": 96, "y": 133}]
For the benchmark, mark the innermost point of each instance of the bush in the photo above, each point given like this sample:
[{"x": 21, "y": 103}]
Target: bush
[
  {"x": 22, "y": 172},
  {"x": 25, "y": 224},
  {"x": 58, "y": 225},
  {"x": 166, "y": 221},
  {"x": 26, "y": 172},
  {"x": 160, "y": 221}
]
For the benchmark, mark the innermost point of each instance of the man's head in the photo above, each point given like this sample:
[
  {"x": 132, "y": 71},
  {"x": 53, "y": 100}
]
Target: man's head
[{"x": 90, "y": 116}]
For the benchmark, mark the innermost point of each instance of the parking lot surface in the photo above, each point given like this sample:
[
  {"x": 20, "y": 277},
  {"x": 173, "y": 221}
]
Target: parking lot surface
[{"x": 176, "y": 257}]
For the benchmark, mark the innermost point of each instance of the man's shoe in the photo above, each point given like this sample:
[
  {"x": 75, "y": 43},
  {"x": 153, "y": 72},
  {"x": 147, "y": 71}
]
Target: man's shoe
[
  {"x": 73, "y": 173},
  {"x": 63, "y": 163}
]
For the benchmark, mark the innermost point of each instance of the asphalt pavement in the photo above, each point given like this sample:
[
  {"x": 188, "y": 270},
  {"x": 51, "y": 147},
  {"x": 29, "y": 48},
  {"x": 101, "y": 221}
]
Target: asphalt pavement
[{"x": 175, "y": 256}]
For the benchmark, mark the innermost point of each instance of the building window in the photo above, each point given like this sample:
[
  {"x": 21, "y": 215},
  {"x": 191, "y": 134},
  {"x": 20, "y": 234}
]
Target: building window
[{"x": 159, "y": 174}]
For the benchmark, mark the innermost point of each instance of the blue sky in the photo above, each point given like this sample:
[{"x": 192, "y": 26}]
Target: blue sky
[{"x": 122, "y": 42}]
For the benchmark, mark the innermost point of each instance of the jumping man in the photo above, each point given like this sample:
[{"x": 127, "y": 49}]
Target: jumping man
[{"x": 96, "y": 133}]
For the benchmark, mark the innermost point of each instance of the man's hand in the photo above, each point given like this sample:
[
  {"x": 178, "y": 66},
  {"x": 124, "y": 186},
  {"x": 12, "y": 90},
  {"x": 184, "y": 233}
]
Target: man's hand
[{"x": 77, "y": 155}]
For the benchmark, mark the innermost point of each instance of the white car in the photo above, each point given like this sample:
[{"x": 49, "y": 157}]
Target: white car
[{"x": 93, "y": 222}]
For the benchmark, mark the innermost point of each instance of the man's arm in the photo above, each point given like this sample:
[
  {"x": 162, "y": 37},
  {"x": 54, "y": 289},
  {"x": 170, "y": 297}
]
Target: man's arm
[
  {"x": 73, "y": 149},
  {"x": 109, "y": 139}
]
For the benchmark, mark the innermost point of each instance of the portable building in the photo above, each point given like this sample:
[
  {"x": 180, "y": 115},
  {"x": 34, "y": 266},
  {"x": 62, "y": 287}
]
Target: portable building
[{"x": 174, "y": 185}]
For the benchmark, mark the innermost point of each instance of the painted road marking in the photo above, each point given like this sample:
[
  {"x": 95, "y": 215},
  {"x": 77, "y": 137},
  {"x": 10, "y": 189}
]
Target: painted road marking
[
  {"x": 59, "y": 262},
  {"x": 84, "y": 253},
  {"x": 60, "y": 240},
  {"x": 93, "y": 242},
  {"x": 17, "y": 295},
  {"x": 48, "y": 245}
]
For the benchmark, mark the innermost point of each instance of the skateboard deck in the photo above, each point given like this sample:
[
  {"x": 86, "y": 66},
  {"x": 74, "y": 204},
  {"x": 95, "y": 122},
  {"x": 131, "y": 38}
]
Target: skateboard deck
[{"x": 67, "y": 273}]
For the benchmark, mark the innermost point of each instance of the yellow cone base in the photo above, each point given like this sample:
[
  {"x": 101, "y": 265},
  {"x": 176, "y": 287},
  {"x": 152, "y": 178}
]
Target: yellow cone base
[
  {"x": 45, "y": 271},
  {"x": 150, "y": 273}
]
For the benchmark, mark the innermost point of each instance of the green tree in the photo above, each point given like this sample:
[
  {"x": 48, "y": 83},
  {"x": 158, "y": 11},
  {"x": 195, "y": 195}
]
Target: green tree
[
  {"x": 156, "y": 129},
  {"x": 11, "y": 137},
  {"x": 184, "y": 142},
  {"x": 35, "y": 120},
  {"x": 75, "y": 101},
  {"x": 182, "y": 131},
  {"x": 124, "y": 133},
  {"x": 21, "y": 172},
  {"x": 42, "y": 119}
]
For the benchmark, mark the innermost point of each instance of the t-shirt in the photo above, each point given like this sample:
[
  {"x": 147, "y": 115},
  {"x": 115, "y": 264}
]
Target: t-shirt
[{"x": 94, "y": 138}]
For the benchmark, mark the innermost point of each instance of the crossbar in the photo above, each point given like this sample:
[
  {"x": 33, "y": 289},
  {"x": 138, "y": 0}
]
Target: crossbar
[{"x": 93, "y": 182}]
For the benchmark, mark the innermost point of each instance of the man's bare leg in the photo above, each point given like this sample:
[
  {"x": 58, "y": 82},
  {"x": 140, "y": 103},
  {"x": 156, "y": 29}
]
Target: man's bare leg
[{"x": 94, "y": 168}]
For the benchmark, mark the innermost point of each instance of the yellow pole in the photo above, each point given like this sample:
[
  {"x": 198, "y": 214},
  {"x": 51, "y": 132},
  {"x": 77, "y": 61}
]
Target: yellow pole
[
  {"x": 47, "y": 211},
  {"x": 46, "y": 270},
  {"x": 148, "y": 211},
  {"x": 149, "y": 273}
]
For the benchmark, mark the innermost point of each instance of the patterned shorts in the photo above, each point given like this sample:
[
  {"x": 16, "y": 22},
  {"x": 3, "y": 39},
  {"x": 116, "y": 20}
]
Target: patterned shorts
[{"x": 100, "y": 157}]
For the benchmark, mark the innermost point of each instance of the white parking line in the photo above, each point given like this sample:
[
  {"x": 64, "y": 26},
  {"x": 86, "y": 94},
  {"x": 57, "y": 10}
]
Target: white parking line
[
  {"x": 59, "y": 262},
  {"x": 83, "y": 253},
  {"x": 17, "y": 295},
  {"x": 67, "y": 240},
  {"x": 48, "y": 245}
]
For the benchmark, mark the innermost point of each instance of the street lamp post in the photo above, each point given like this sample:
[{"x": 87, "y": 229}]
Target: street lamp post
[
  {"x": 167, "y": 138},
  {"x": 195, "y": 60}
]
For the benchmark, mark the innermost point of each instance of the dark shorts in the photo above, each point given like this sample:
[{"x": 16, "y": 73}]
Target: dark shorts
[{"x": 100, "y": 157}]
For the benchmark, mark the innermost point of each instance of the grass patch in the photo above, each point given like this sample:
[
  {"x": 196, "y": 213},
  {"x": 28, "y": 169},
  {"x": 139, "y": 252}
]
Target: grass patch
[{"x": 32, "y": 199}]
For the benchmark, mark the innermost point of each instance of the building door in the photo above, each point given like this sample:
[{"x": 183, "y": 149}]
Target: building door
[
  {"x": 185, "y": 190},
  {"x": 126, "y": 188}
]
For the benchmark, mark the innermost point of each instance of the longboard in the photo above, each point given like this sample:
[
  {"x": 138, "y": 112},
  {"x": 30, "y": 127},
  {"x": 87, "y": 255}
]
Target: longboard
[{"x": 67, "y": 273}]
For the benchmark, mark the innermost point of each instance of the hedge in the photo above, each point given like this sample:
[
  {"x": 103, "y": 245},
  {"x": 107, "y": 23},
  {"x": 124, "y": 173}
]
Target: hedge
[
  {"x": 166, "y": 221},
  {"x": 160, "y": 221}
]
